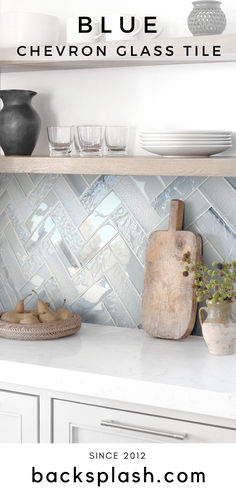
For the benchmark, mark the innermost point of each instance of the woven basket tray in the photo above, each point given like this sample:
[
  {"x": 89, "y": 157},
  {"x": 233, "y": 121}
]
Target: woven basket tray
[{"x": 40, "y": 331}]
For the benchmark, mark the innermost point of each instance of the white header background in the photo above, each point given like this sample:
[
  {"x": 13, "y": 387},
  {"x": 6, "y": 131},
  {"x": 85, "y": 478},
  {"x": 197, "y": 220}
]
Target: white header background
[
  {"x": 166, "y": 97},
  {"x": 173, "y": 13}
]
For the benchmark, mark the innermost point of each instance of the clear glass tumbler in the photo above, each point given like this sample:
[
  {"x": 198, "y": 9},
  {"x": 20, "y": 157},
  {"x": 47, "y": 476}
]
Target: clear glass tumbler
[
  {"x": 116, "y": 138},
  {"x": 91, "y": 140},
  {"x": 60, "y": 140}
]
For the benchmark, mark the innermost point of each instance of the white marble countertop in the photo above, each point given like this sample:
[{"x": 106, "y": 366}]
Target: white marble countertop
[{"x": 126, "y": 365}]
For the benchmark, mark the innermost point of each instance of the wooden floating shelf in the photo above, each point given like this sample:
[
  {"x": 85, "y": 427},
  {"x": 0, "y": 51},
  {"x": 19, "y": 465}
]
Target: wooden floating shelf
[
  {"x": 224, "y": 166},
  {"x": 10, "y": 61}
]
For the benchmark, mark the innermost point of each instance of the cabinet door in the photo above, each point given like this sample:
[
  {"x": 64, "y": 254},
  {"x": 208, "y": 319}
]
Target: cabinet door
[
  {"x": 18, "y": 418},
  {"x": 81, "y": 423}
]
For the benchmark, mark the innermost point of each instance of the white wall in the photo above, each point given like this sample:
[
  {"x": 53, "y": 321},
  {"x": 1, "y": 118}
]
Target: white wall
[{"x": 200, "y": 96}]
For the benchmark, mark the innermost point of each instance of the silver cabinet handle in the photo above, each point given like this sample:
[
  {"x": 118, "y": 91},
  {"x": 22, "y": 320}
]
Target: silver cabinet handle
[{"x": 120, "y": 426}]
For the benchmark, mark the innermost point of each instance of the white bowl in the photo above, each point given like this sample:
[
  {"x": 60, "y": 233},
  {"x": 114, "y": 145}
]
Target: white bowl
[
  {"x": 18, "y": 28},
  {"x": 186, "y": 150}
]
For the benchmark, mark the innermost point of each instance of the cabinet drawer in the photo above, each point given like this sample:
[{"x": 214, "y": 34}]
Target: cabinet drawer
[
  {"x": 81, "y": 423},
  {"x": 18, "y": 418}
]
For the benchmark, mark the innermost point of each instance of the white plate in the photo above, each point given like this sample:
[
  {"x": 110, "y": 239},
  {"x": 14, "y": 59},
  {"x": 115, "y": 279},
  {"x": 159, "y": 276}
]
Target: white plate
[
  {"x": 186, "y": 150},
  {"x": 187, "y": 133},
  {"x": 170, "y": 142},
  {"x": 175, "y": 137},
  {"x": 184, "y": 145},
  {"x": 187, "y": 138}
]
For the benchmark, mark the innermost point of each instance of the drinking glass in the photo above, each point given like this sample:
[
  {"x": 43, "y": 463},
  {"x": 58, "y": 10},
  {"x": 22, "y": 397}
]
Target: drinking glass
[
  {"x": 91, "y": 139},
  {"x": 116, "y": 138},
  {"x": 60, "y": 140}
]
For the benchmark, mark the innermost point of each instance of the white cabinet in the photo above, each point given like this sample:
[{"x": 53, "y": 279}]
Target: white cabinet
[
  {"x": 19, "y": 421},
  {"x": 63, "y": 420},
  {"x": 80, "y": 423}
]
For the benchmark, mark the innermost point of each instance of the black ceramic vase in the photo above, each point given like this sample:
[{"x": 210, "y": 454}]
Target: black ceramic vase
[{"x": 19, "y": 122}]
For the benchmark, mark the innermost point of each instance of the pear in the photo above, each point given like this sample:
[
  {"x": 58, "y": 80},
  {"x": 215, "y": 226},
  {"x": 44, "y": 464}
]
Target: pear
[
  {"x": 31, "y": 312},
  {"x": 20, "y": 307},
  {"x": 11, "y": 317},
  {"x": 48, "y": 316},
  {"x": 45, "y": 315},
  {"x": 35, "y": 311},
  {"x": 42, "y": 306},
  {"x": 64, "y": 313},
  {"x": 28, "y": 319}
]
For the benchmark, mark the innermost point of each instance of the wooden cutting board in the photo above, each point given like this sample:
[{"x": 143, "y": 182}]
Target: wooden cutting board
[{"x": 169, "y": 304}]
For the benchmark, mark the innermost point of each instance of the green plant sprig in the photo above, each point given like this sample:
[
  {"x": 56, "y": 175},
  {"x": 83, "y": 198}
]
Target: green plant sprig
[{"x": 216, "y": 283}]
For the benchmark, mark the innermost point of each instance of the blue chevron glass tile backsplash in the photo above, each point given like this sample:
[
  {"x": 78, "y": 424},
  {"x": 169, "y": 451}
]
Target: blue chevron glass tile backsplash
[{"x": 83, "y": 238}]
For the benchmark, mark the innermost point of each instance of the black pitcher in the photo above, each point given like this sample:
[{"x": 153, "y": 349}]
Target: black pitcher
[{"x": 19, "y": 122}]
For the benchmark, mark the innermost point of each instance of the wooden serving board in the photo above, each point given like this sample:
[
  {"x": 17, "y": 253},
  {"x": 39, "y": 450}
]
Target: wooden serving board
[{"x": 169, "y": 304}]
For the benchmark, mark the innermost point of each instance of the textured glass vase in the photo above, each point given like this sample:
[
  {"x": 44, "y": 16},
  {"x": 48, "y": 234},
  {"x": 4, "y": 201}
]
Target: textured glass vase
[{"x": 206, "y": 18}]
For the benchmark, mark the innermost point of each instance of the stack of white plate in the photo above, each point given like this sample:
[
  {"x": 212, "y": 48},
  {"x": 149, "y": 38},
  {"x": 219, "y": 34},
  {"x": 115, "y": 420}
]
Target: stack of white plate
[{"x": 185, "y": 143}]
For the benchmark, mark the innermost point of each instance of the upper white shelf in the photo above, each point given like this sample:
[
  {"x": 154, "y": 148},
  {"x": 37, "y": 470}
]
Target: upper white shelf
[{"x": 10, "y": 61}]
